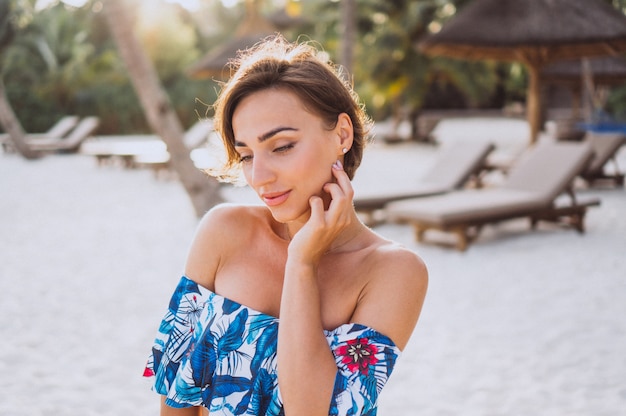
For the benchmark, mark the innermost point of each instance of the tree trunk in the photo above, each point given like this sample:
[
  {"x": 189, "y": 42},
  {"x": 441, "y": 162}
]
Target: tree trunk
[
  {"x": 12, "y": 126},
  {"x": 588, "y": 89},
  {"x": 533, "y": 104},
  {"x": 203, "y": 190}
]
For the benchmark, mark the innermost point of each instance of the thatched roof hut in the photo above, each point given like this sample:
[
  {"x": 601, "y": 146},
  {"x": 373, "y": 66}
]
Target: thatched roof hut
[
  {"x": 531, "y": 30},
  {"x": 282, "y": 19},
  {"x": 214, "y": 64},
  {"x": 251, "y": 30},
  {"x": 534, "y": 32}
]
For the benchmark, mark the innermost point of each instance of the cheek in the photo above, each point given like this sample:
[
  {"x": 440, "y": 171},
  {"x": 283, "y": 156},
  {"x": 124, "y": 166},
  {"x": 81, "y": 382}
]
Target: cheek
[
  {"x": 316, "y": 175},
  {"x": 310, "y": 171}
]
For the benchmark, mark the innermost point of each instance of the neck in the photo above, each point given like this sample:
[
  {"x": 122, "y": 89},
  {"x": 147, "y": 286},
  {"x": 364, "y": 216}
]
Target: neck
[
  {"x": 348, "y": 239},
  {"x": 341, "y": 243}
]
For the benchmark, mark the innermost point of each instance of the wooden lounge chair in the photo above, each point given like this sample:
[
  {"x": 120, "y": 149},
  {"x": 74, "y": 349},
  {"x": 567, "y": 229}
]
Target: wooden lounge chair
[
  {"x": 456, "y": 164},
  {"x": 530, "y": 190},
  {"x": 57, "y": 131},
  {"x": 69, "y": 143},
  {"x": 146, "y": 150},
  {"x": 605, "y": 147},
  {"x": 158, "y": 161}
]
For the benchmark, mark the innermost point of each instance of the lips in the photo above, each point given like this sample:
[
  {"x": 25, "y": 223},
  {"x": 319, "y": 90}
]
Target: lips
[{"x": 272, "y": 199}]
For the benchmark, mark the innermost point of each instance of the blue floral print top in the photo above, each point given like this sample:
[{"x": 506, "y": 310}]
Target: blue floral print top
[{"x": 217, "y": 353}]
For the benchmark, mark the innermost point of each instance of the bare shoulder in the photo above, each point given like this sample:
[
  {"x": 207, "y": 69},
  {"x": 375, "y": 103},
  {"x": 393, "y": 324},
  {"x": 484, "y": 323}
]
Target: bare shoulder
[
  {"x": 396, "y": 265},
  {"x": 397, "y": 272},
  {"x": 219, "y": 233},
  {"x": 223, "y": 217},
  {"x": 226, "y": 223},
  {"x": 391, "y": 255},
  {"x": 394, "y": 294}
]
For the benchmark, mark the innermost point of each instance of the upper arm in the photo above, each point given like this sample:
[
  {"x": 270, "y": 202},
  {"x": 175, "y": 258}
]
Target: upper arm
[
  {"x": 392, "y": 300},
  {"x": 209, "y": 245}
]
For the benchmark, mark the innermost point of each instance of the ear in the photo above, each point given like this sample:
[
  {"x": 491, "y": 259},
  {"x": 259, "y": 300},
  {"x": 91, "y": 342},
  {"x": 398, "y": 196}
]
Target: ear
[{"x": 345, "y": 133}]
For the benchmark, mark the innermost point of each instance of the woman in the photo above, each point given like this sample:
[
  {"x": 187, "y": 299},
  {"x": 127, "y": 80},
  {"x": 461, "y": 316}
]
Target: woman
[{"x": 347, "y": 299}]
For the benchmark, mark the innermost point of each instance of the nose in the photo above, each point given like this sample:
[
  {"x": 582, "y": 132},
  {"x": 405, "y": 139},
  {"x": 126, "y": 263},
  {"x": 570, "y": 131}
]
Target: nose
[{"x": 260, "y": 173}]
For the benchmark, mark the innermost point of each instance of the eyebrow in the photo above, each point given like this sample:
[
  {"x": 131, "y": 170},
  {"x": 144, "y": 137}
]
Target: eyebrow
[{"x": 268, "y": 135}]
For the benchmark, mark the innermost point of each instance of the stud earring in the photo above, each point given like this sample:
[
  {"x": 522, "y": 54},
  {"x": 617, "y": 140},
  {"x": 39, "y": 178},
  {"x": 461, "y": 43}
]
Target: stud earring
[{"x": 344, "y": 150}]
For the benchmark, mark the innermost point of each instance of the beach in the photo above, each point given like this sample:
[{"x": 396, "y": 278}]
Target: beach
[{"x": 522, "y": 323}]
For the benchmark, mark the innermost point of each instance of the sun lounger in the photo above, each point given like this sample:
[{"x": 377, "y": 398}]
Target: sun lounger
[
  {"x": 605, "y": 147},
  {"x": 144, "y": 150},
  {"x": 455, "y": 165},
  {"x": 69, "y": 143},
  {"x": 531, "y": 190},
  {"x": 58, "y": 130},
  {"x": 159, "y": 161}
]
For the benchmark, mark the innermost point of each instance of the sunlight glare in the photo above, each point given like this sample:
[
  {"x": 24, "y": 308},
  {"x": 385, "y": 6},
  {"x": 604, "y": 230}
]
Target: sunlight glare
[
  {"x": 229, "y": 3},
  {"x": 194, "y": 5},
  {"x": 191, "y": 5},
  {"x": 44, "y": 4},
  {"x": 75, "y": 3}
]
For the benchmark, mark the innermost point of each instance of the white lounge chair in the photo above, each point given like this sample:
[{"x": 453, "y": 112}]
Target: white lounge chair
[
  {"x": 531, "y": 190},
  {"x": 456, "y": 164}
]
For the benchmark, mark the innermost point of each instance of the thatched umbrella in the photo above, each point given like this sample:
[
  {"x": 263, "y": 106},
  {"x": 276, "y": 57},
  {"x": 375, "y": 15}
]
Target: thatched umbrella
[
  {"x": 213, "y": 64},
  {"x": 534, "y": 32},
  {"x": 252, "y": 29},
  {"x": 286, "y": 18}
]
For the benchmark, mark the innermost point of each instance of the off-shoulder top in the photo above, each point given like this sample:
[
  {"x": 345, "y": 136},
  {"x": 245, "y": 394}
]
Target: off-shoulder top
[{"x": 215, "y": 352}]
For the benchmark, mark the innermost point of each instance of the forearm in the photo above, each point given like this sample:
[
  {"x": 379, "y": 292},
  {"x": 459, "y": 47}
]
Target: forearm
[{"x": 306, "y": 366}]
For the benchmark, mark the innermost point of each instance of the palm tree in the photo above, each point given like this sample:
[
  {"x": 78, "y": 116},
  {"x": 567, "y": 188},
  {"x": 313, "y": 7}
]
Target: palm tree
[{"x": 203, "y": 191}]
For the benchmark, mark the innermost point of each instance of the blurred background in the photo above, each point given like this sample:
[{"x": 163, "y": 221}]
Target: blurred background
[
  {"x": 91, "y": 246},
  {"x": 58, "y": 58}
]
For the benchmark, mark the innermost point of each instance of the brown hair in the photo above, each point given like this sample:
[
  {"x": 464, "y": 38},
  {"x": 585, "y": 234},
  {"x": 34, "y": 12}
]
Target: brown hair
[{"x": 298, "y": 68}]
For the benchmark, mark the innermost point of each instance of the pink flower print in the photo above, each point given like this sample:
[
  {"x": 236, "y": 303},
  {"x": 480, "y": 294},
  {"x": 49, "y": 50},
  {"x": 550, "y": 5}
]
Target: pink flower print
[{"x": 358, "y": 355}]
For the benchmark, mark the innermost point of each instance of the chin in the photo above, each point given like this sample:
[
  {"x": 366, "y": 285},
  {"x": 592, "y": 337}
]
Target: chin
[{"x": 285, "y": 215}]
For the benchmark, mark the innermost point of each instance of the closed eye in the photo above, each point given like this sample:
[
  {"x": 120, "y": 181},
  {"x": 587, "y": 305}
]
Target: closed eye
[
  {"x": 245, "y": 158},
  {"x": 285, "y": 148},
  {"x": 280, "y": 149}
]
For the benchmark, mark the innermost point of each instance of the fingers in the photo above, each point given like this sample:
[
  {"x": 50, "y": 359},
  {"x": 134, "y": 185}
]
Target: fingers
[
  {"x": 317, "y": 208},
  {"x": 341, "y": 194},
  {"x": 342, "y": 178},
  {"x": 326, "y": 222},
  {"x": 343, "y": 186}
]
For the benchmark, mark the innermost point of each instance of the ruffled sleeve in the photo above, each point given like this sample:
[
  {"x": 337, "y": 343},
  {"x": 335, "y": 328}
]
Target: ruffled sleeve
[
  {"x": 365, "y": 359},
  {"x": 178, "y": 334},
  {"x": 215, "y": 352}
]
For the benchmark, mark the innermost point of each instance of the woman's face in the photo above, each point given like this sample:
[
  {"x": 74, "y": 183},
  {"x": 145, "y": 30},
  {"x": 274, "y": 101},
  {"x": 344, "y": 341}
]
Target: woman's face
[{"x": 285, "y": 150}]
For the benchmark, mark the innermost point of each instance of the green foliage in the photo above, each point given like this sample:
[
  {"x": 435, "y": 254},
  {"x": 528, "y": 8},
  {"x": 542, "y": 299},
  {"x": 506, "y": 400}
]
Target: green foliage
[
  {"x": 103, "y": 88},
  {"x": 61, "y": 60},
  {"x": 616, "y": 104},
  {"x": 393, "y": 77},
  {"x": 40, "y": 65},
  {"x": 170, "y": 43},
  {"x": 7, "y": 31}
]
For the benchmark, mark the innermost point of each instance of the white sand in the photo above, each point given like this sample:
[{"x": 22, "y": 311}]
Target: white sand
[{"x": 523, "y": 323}]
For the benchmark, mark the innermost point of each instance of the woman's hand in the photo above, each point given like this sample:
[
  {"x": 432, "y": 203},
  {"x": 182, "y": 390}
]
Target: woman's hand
[
  {"x": 324, "y": 226},
  {"x": 302, "y": 346}
]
